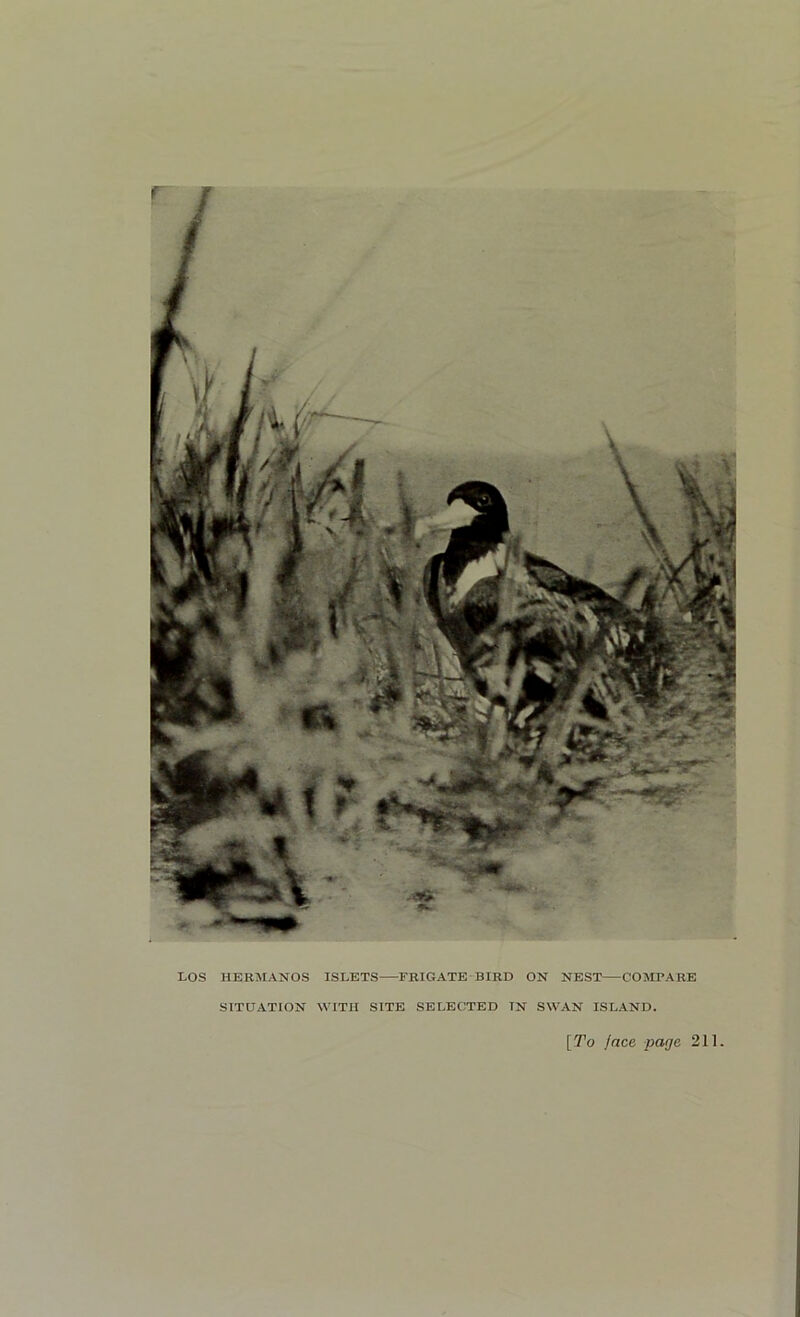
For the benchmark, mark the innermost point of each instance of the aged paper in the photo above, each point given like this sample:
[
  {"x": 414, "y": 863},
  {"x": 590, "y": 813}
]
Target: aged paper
[{"x": 169, "y": 1150}]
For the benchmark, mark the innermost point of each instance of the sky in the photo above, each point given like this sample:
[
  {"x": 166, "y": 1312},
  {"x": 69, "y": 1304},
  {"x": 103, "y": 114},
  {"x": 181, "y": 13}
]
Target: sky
[{"x": 465, "y": 318}]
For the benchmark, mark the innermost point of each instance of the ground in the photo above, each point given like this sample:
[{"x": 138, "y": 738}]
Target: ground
[{"x": 646, "y": 850}]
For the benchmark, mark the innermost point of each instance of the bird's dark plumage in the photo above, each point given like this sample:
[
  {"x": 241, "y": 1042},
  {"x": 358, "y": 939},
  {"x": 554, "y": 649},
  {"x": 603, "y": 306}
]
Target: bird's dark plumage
[{"x": 476, "y": 590}]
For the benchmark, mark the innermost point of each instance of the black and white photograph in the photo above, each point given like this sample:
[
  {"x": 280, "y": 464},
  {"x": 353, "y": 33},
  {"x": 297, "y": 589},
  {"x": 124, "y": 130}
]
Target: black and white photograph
[{"x": 443, "y": 550}]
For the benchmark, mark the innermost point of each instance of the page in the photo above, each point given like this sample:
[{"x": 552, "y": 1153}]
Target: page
[{"x": 399, "y": 511}]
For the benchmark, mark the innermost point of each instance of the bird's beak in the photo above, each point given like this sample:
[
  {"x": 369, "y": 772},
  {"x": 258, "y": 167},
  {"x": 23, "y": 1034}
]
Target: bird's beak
[{"x": 457, "y": 513}]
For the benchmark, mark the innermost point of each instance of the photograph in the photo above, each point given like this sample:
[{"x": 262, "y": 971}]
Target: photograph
[{"x": 443, "y": 554}]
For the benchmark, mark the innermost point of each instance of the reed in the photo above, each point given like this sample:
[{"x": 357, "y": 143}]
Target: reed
[{"x": 703, "y": 584}]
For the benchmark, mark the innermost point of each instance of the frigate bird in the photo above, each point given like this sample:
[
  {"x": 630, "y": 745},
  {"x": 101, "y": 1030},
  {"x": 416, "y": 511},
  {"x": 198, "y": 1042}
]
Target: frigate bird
[{"x": 522, "y": 627}]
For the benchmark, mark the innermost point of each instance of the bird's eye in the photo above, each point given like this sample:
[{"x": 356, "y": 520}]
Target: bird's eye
[{"x": 482, "y": 501}]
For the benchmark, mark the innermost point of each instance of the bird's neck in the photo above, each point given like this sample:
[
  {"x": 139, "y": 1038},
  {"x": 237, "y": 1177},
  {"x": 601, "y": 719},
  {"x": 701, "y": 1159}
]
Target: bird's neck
[
  {"x": 462, "y": 550},
  {"x": 466, "y": 562}
]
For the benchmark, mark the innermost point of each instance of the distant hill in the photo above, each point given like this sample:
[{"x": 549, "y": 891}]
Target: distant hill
[{"x": 573, "y": 510}]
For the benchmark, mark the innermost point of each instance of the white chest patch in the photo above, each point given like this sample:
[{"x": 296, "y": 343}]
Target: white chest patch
[{"x": 491, "y": 564}]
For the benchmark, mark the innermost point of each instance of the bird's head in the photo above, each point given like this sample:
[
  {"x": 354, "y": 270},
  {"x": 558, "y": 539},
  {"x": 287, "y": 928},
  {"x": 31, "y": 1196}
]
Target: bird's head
[{"x": 475, "y": 510}]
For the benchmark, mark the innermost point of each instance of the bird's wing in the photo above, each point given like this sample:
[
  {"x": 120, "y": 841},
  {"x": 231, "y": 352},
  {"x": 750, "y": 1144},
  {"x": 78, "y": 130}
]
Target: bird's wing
[
  {"x": 430, "y": 584},
  {"x": 579, "y": 591},
  {"x": 542, "y": 586},
  {"x": 453, "y": 625},
  {"x": 480, "y": 605}
]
